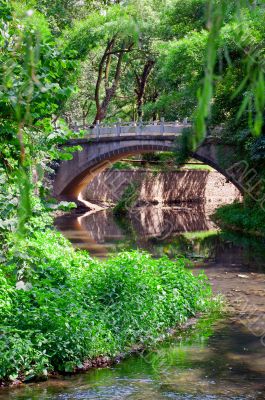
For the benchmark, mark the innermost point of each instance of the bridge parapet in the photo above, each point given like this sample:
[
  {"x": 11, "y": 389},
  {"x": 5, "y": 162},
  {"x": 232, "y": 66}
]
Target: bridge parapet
[{"x": 101, "y": 130}]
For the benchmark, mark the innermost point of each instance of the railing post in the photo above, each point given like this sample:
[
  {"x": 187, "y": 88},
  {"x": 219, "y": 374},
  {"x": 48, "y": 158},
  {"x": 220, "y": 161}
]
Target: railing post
[
  {"x": 162, "y": 125},
  {"x": 185, "y": 121},
  {"x": 98, "y": 129},
  {"x": 140, "y": 126},
  {"x": 118, "y": 127},
  {"x": 134, "y": 124}
]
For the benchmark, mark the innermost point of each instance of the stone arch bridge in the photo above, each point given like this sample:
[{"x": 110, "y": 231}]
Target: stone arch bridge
[{"x": 104, "y": 145}]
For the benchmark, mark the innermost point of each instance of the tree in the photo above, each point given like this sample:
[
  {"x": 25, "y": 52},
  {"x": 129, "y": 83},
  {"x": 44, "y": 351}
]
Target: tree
[
  {"x": 118, "y": 44},
  {"x": 61, "y": 14},
  {"x": 113, "y": 35},
  {"x": 33, "y": 73}
]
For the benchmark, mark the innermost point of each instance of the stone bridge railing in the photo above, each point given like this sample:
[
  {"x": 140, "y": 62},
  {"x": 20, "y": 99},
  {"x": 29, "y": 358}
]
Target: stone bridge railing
[{"x": 101, "y": 130}]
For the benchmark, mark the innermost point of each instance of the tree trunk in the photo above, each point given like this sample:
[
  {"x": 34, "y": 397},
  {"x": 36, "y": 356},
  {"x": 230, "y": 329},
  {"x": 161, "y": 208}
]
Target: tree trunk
[
  {"x": 141, "y": 82},
  {"x": 110, "y": 91}
]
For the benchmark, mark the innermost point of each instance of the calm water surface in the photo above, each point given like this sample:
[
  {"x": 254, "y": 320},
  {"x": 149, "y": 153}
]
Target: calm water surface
[{"x": 219, "y": 359}]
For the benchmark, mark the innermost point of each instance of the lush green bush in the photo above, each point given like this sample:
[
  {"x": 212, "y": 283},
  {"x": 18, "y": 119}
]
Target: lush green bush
[
  {"x": 239, "y": 216},
  {"x": 128, "y": 199},
  {"x": 68, "y": 307}
]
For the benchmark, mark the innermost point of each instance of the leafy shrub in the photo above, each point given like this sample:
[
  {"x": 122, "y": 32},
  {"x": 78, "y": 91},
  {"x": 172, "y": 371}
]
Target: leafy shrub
[
  {"x": 128, "y": 199},
  {"x": 239, "y": 216},
  {"x": 21, "y": 356},
  {"x": 71, "y": 307}
]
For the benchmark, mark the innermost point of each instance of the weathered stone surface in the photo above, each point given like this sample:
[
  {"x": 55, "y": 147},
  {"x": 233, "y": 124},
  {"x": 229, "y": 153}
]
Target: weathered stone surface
[{"x": 200, "y": 186}]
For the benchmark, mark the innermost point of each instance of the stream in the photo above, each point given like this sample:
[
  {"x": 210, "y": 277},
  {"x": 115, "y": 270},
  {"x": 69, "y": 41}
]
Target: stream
[{"x": 221, "y": 358}]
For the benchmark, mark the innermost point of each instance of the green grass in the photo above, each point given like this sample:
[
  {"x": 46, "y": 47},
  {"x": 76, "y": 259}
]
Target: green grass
[
  {"x": 199, "y": 235},
  {"x": 74, "y": 308},
  {"x": 124, "y": 165},
  {"x": 160, "y": 162},
  {"x": 199, "y": 167}
]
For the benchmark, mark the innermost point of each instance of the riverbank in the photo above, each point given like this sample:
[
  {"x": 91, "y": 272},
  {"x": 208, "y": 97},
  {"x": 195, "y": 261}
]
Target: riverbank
[
  {"x": 219, "y": 359},
  {"x": 74, "y": 311},
  {"x": 241, "y": 218},
  {"x": 102, "y": 362}
]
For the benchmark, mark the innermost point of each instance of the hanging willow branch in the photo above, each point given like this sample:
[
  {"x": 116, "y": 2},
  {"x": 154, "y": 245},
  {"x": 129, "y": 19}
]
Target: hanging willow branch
[
  {"x": 254, "y": 82},
  {"x": 22, "y": 62}
]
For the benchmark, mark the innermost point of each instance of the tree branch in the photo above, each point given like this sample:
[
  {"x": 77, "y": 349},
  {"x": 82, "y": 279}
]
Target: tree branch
[{"x": 100, "y": 72}]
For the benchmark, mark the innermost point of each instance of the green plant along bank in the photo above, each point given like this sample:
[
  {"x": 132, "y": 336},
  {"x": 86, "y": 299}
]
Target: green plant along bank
[
  {"x": 242, "y": 217},
  {"x": 72, "y": 309}
]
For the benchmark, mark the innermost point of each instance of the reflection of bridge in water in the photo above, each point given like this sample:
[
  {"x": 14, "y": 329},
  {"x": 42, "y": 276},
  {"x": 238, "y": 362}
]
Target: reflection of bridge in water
[
  {"x": 151, "y": 228},
  {"x": 147, "y": 223},
  {"x": 97, "y": 231}
]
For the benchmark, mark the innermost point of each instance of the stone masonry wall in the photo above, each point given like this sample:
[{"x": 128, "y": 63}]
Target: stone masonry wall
[{"x": 163, "y": 188}]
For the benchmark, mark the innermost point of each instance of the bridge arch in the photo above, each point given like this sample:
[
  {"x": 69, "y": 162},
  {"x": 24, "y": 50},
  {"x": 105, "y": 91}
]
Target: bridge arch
[
  {"x": 74, "y": 175},
  {"x": 99, "y": 154}
]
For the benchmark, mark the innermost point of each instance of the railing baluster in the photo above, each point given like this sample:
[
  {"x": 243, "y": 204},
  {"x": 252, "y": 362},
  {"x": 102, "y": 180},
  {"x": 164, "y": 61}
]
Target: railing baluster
[
  {"x": 118, "y": 127},
  {"x": 139, "y": 128},
  {"x": 98, "y": 129},
  {"x": 162, "y": 126}
]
